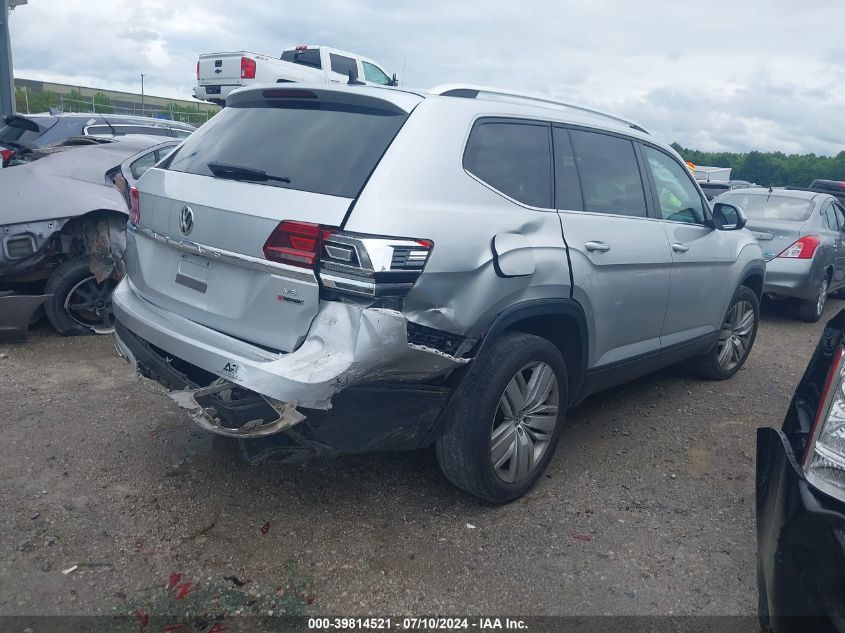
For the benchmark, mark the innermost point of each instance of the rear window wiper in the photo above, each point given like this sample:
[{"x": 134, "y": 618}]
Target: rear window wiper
[{"x": 238, "y": 172}]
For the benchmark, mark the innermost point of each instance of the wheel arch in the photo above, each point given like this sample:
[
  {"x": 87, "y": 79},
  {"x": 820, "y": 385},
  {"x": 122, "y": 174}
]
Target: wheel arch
[
  {"x": 560, "y": 321},
  {"x": 753, "y": 277},
  {"x": 75, "y": 227}
]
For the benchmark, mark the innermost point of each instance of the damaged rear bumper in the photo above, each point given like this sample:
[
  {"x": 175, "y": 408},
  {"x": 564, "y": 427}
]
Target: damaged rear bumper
[{"x": 346, "y": 345}]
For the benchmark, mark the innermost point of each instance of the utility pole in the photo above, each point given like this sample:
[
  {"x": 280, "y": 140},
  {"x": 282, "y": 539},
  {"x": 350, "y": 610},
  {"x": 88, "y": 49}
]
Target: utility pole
[
  {"x": 7, "y": 81},
  {"x": 142, "y": 94}
]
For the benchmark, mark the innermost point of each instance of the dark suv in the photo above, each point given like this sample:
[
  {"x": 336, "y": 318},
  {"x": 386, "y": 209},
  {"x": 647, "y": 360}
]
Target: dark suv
[
  {"x": 832, "y": 187},
  {"x": 37, "y": 130}
]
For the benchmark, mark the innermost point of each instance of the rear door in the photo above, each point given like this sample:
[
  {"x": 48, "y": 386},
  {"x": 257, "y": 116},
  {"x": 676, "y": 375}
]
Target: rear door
[
  {"x": 833, "y": 231},
  {"x": 703, "y": 272},
  {"x": 619, "y": 255},
  {"x": 205, "y": 217},
  {"x": 839, "y": 272}
]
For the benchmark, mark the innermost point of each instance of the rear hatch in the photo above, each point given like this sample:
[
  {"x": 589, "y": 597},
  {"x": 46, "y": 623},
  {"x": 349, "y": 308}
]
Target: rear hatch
[
  {"x": 206, "y": 214},
  {"x": 220, "y": 69}
]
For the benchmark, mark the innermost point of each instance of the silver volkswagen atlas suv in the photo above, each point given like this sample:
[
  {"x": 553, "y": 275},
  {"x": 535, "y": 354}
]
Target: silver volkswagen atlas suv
[{"x": 320, "y": 270}]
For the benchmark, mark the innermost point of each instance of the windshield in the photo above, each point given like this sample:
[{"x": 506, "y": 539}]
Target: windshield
[
  {"x": 318, "y": 147},
  {"x": 770, "y": 207}
]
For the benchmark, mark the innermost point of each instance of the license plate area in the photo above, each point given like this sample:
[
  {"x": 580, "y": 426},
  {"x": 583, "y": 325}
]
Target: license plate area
[{"x": 193, "y": 273}]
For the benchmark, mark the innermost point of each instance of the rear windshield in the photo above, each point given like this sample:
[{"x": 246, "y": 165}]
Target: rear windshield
[
  {"x": 310, "y": 146},
  {"x": 770, "y": 207},
  {"x": 308, "y": 57},
  {"x": 15, "y": 131}
]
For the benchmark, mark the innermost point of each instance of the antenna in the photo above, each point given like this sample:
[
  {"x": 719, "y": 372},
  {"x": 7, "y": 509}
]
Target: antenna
[{"x": 404, "y": 61}]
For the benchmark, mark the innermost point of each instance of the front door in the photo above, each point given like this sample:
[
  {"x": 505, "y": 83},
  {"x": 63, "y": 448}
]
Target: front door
[{"x": 702, "y": 258}]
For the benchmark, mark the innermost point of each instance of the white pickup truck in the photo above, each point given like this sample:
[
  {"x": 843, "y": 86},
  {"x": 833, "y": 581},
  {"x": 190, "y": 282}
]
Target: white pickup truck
[{"x": 218, "y": 74}]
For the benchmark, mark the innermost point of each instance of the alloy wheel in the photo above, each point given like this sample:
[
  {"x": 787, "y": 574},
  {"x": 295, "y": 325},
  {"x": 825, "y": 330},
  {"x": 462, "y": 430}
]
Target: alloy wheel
[
  {"x": 735, "y": 335},
  {"x": 524, "y": 422},
  {"x": 89, "y": 304},
  {"x": 821, "y": 298}
]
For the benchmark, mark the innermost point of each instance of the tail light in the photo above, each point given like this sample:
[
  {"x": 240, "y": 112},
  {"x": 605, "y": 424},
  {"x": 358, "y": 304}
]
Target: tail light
[
  {"x": 134, "y": 206},
  {"x": 296, "y": 243},
  {"x": 364, "y": 265},
  {"x": 6, "y": 156},
  {"x": 824, "y": 457},
  {"x": 802, "y": 248},
  {"x": 198, "y": 69},
  {"x": 247, "y": 68}
]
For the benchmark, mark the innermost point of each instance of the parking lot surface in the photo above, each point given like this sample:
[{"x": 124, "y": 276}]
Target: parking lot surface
[{"x": 647, "y": 507}]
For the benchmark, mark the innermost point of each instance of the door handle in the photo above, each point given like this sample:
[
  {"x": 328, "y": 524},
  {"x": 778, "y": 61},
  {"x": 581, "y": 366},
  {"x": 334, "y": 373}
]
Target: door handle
[
  {"x": 680, "y": 248},
  {"x": 601, "y": 247}
]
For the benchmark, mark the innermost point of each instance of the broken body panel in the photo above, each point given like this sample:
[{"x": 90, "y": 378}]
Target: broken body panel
[{"x": 61, "y": 206}]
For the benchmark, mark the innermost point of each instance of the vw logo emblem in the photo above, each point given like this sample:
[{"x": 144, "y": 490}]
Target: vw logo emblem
[{"x": 186, "y": 220}]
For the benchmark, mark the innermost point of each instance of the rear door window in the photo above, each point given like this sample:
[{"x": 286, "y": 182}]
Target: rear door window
[
  {"x": 308, "y": 57},
  {"x": 343, "y": 65},
  {"x": 610, "y": 175},
  {"x": 829, "y": 216},
  {"x": 318, "y": 146},
  {"x": 513, "y": 158},
  {"x": 840, "y": 214},
  {"x": 678, "y": 199}
]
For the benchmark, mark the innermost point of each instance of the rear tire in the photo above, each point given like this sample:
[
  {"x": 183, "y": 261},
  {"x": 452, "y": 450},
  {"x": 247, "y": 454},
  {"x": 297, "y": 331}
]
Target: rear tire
[
  {"x": 736, "y": 338},
  {"x": 73, "y": 287},
  {"x": 501, "y": 430},
  {"x": 811, "y": 311}
]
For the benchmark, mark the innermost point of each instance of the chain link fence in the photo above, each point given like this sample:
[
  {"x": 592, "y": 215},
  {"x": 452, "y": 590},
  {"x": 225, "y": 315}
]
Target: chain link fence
[{"x": 31, "y": 102}]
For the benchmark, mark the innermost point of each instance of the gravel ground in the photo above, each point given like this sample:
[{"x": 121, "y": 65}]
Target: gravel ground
[{"x": 647, "y": 507}]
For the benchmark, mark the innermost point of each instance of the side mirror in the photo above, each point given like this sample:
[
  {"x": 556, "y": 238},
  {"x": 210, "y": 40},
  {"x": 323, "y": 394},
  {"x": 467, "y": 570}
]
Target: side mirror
[
  {"x": 727, "y": 217},
  {"x": 394, "y": 81}
]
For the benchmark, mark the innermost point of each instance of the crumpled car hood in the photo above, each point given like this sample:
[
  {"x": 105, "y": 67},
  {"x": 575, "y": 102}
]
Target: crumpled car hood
[{"x": 27, "y": 196}]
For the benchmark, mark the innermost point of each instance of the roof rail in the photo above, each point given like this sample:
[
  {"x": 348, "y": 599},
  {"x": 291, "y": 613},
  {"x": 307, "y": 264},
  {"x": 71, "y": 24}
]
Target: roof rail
[{"x": 470, "y": 91}]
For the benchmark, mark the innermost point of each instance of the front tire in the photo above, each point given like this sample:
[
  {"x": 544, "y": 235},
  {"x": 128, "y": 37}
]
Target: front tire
[
  {"x": 79, "y": 304},
  {"x": 501, "y": 431},
  {"x": 736, "y": 338}
]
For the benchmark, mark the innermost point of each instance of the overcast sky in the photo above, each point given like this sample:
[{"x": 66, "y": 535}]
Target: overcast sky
[{"x": 712, "y": 75}]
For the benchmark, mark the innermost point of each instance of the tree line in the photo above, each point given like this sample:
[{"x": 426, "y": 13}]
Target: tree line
[{"x": 774, "y": 169}]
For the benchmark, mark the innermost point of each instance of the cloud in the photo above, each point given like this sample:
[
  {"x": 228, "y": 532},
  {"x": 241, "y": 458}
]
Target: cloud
[{"x": 735, "y": 76}]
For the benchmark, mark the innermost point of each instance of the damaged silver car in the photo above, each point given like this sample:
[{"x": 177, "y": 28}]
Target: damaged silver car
[
  {"x": 62, "y": 230},
  {"x": 345, "y": 269}
]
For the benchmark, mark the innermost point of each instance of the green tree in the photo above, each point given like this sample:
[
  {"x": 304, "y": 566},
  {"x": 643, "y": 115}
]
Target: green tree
[
  {"x": 75, "y": 102},
  {"x": 771, "y": 168},
  {"x": 103, "y": 103},
  {"x": 31, "y": 101}
]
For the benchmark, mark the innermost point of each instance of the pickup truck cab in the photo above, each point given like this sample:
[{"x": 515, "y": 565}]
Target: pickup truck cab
[{"x": 218, "y": 74}]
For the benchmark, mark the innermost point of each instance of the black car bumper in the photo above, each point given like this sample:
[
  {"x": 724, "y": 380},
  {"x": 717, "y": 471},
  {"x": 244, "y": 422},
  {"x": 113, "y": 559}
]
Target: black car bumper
[
  {"x": 800, "y": 544},
  {"x": 363, "y": 418}
]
